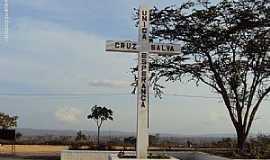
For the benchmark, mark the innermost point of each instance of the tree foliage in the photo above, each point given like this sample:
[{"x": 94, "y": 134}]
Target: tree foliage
[
  {"x": 18, "y": 135},
  {"x": 7, "y": 121},
  {"x": 225, "y": 46},
  {"x": 130, "y": 140},
  {"x": 80, "y": 136}
]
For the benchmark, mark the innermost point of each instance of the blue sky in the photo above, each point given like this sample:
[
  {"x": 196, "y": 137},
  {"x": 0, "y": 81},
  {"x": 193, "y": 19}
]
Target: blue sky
[{"x": 57, "y": 47}]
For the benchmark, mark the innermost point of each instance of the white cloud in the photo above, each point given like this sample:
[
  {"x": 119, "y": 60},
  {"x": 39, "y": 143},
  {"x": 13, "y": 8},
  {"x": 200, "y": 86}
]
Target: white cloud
[
  {"x": 110, "y": 83},
  {"x": 68, "y": 115}
]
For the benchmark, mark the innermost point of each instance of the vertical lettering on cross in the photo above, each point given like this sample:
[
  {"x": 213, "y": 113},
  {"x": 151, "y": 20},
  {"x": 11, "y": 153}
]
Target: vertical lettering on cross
[
  {"x": 143, "y": 58},
  {"x": 143, "y": 84}
]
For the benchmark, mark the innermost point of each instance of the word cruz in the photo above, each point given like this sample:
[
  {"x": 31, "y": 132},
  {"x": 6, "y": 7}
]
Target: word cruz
[{"x": 132, "y": 46}]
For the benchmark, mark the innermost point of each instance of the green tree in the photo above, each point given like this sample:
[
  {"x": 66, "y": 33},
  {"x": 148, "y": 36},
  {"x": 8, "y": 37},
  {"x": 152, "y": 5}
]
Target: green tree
[
  {"x": 154, "y": 139},
  {"x": 99, "y": 115},
  {"x": 7, "y": 121},
  {"x": 80, "y": 136},
  {"x": 18, "y": 135},
  {"x": 130, "y": 140},
  {"x": 225, "y": 47}
]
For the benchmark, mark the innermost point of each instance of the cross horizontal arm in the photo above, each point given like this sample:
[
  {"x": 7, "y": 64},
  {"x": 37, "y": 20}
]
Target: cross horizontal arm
[{"x": 134, "y": 47}]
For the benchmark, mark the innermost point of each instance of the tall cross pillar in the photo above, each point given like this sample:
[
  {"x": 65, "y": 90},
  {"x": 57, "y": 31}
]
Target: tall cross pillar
[
  {"x": 143, "y": 85},
  {"x": 143, "y": 48}
]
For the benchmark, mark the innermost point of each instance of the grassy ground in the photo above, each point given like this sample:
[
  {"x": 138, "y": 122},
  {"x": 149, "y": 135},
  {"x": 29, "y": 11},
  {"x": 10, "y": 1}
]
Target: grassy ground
[
  {"x": 32, "y": 151},
  {"x": 49, "y": 152}
]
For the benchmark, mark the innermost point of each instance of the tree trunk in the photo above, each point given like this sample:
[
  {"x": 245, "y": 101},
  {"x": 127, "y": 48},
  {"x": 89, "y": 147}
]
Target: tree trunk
[
  {"x": 241, "y": 138},
  {"x": 98, "y": 132}
]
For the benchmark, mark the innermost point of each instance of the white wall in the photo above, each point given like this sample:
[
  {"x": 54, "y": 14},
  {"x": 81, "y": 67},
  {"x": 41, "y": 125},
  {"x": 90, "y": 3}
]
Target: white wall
[{"x": 86, "y": 155}]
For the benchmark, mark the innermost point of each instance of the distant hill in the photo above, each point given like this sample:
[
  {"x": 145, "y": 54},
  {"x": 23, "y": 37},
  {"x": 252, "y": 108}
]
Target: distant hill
[{"x": 42, "y": 132}]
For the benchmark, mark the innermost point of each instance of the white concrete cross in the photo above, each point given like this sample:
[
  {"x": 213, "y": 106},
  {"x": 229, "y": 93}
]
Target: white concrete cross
[{"x": 143, "y": 48}]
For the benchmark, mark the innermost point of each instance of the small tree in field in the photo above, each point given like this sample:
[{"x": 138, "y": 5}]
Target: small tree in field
[
  {"x": 99, "y": 115},
  {"x": 226, "y": 47}
]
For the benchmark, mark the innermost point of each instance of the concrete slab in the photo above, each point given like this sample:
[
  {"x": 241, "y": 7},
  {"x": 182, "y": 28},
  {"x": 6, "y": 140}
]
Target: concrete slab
[
  {"x": 104, "y": 155},
  {"x": 115, "y": 157},
  {"x": 86, "y": 155},
  {"x": 190, "y": 155}
]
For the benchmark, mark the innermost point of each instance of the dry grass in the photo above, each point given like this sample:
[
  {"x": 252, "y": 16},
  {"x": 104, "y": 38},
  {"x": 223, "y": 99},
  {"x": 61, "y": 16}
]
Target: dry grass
[{"x": 32, "y": 149}]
